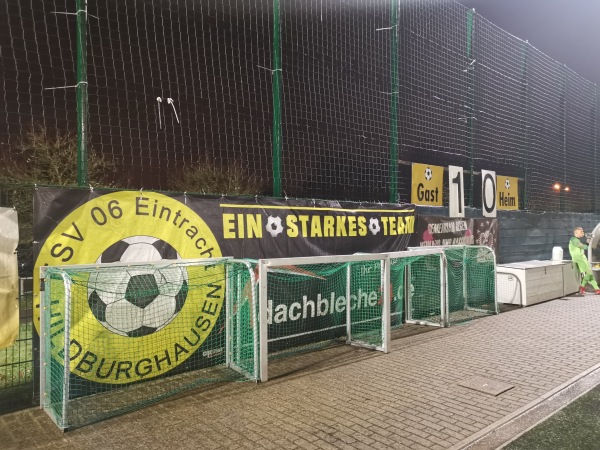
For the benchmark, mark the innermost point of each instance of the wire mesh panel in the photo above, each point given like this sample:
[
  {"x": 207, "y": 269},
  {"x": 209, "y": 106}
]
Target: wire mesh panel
[
  {"x": 580, "y": 142},
  {"x": 116, "y": 338},
  {"x": 499, "y": 82},
  {"x": 307, "y": 303},
  {"x": 434, "y": 67},
  {"x": 335, "y": 98},
  {"x": 328, "y": 99},
  {"x": 181, "y": 85},
  {"x": 38, "y": 52},
  {"x": 171, "y": 87},
  {"x": 418, "y": 281},
  {"x": 547, "y": 121},
  {"x": 16, "y": 360},
  {"x": 471, "y": 282}
]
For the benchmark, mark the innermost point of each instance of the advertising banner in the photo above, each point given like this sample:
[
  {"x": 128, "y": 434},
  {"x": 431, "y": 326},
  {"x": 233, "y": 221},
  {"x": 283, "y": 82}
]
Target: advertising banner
[
  {"x": 74, "y": 227},
  {"x": 437, "y": 230},
  {"x": 83, "y": 227},
  {"x": 432, "y": 231},
  {"x": 9, "y": 279}
]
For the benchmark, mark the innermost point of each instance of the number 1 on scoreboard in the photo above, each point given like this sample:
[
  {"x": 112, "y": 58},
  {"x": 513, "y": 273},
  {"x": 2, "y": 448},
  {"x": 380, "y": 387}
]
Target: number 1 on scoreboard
[{"x": 456, "y": 192}]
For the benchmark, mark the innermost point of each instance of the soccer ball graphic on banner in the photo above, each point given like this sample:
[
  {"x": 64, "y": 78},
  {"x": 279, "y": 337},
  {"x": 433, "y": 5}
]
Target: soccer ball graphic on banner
[
  {"x": 138, "y": 249},
  {"x": 428, "y": 174},
  {"x": 132, "y": 301}
]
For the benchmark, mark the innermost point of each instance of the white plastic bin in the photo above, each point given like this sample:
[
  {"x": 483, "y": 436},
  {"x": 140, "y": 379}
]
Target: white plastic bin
[{"x": 557, "y": 254}]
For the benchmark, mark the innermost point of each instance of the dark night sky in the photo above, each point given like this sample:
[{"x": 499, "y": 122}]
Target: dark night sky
[{"x": 566, "y": 30}]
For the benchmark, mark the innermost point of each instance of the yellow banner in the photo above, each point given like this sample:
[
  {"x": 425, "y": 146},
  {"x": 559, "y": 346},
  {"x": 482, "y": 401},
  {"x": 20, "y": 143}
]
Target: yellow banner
[
  {"x": 427, "y": 184},
  {"x": 507, "y": 192},
  {"x": 9, "y": 277}
]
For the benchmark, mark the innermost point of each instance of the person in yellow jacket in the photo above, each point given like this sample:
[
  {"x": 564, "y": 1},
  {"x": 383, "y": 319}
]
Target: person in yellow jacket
[{"x": 576, "y": 249}]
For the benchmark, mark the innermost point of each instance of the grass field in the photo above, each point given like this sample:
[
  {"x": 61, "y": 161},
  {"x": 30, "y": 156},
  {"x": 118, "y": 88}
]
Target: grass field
[{"x": 575, "y": 427}]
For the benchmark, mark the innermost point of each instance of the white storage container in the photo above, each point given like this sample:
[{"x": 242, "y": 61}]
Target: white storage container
[
  {"x": 530, "y": 282},
  {"x": 557, "y": 254}
]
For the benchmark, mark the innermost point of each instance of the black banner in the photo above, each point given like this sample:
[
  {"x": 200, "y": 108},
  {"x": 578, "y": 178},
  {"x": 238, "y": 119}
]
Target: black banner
[{"x": 239, "y": 227}]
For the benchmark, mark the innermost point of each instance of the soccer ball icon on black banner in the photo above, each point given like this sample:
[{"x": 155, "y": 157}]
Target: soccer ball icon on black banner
[{"x": 137, "y": 301}]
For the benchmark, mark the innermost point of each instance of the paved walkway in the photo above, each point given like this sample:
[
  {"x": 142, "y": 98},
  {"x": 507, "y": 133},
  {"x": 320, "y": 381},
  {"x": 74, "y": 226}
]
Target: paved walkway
[{"x": 352, "y": 398}]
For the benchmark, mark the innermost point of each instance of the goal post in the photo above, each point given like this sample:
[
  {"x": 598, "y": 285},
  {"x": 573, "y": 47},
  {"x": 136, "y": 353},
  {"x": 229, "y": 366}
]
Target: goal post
[
  {"x": 242, "y": 331},
  {"x": 117, "y": 337},
  {"x": 307, "y": 300}
]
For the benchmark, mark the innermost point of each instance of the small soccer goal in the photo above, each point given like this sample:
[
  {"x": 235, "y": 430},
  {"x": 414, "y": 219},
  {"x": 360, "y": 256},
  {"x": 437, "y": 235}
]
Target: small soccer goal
[
  {"x": 418, "y": 283},
  {"x": 312, "y": 301},
  {"x": 470, "y": 283},
  {"x": 116, "y": 337},
  {"x": 471, "y": 276}
]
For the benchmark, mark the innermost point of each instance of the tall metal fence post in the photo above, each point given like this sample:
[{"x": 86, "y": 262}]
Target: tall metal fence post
[
  {"x": 276, "y": 71},
  {"x": 564, "y": 135},
  {"x": 82, "y": 94},
  {"x": 394, "y": 107},
  {"x": 471, "y": 100},
  {"x": 525, "y": 123},
  {"x": 595, "y": 138}
]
